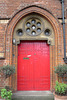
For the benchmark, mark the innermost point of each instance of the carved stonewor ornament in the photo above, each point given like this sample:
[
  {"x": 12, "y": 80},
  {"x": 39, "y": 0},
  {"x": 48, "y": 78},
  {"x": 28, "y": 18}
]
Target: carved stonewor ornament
[{"x": 33, "y": 27}]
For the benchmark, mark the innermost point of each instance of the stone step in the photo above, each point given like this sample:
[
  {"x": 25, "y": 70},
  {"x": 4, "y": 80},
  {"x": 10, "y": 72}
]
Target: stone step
[{"x": 33, "y": 95}]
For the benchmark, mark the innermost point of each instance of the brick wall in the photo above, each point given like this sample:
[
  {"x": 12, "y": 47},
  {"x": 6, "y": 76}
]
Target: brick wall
[{"x": 8, "y": 9}]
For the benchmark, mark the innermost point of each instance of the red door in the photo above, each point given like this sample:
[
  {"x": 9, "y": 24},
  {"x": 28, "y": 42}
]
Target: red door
[{"x": 33, "y": 66}]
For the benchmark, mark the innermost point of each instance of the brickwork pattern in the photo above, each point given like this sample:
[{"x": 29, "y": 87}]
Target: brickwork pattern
[
  {"x": 9, "y": 8},
  {"x": 2, "y": 38}
]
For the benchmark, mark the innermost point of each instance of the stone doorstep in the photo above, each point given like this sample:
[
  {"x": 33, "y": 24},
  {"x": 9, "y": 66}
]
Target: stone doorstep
[
  {"x": 33, "y": 98},
  {"x": 33, "y": 95}
]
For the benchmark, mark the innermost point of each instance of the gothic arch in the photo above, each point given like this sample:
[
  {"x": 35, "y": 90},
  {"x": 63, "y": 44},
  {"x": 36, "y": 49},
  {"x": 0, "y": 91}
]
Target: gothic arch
[{"x": 53, "y": 21}]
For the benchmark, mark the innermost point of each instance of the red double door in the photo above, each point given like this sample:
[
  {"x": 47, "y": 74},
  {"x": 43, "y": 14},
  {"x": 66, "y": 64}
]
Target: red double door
[{"x": 33, "y": 66}]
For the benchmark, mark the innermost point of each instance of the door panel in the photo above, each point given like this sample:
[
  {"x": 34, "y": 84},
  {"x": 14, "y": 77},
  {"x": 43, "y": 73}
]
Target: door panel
[
  {"x": 33, "y": 66},
  {"x": 25, "y": 65},
  {"x": 41, "y": 66}
]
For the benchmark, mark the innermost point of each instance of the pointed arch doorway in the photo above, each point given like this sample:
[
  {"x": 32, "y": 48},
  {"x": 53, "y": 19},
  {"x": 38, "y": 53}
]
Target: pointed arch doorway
[
  {"x": 33, "y": 35},
  {"x": 50, "y": 39},
  {"x": 33, "y": 72}
]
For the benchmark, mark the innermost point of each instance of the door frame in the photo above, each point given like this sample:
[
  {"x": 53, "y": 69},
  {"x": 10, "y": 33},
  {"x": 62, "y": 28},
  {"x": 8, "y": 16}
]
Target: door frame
[{"x": 14, "y": 61}]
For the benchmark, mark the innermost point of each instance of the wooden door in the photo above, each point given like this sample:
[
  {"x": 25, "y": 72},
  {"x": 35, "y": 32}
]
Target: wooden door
[{"x": 33, "y": 66}]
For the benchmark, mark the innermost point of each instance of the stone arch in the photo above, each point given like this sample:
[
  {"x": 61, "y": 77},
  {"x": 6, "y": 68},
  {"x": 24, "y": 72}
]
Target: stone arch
[{"x": 53, "y": 21}]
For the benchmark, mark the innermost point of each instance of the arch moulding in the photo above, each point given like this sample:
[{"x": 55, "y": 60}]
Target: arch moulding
[{"x": 55, "y": 24}]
